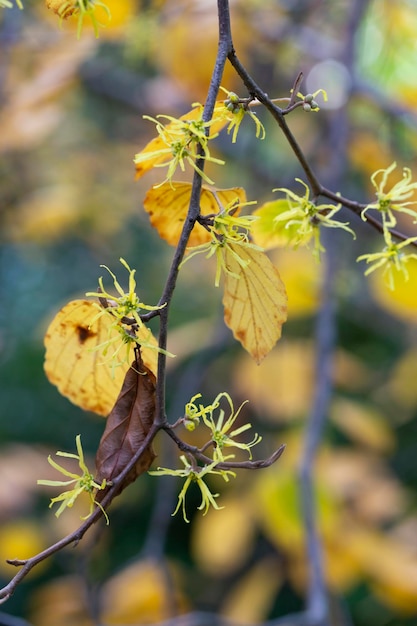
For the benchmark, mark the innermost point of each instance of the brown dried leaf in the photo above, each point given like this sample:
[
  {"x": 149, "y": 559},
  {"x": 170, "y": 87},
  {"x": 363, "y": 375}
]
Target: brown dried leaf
[{"x": 127, "y": 426}]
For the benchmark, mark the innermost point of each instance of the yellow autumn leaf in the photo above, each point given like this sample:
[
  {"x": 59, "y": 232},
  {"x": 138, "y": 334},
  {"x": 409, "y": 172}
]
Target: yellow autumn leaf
[
  {"x": 142, "y": 593},
  {"x": 402, "y": 384},
  {"x": 73, "y": 364},
  {"x": 188, "y": 39},
  {"x": 167, "y": 206},
  {"x": 389, "y": 565},
  {"x": 278, "y": 507},
  {"x": 267, "y": 232},
  {"x": 156, "y": 144},
  {"x": 20, "y": 539},
  {"x": 368, "y": 153},
  {"x": 281, "y": 387},
  {"x": 215, "y": 556},
  {"x": 364, "y": 483},
  {"x": 363, "y": 424},
  {"x": 254, "y": 299},
  {"x": 302, "y": 277},
  {"x": 43, "y": 217},
  {"x": 60, "y": 601},
  {"x": 402, "y": 301},
  {"x": 252, "y": 597}
]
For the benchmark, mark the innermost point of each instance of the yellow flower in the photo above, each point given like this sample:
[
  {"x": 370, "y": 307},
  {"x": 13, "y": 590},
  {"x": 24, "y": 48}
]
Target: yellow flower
[
  {"x": 308, "y": 217},
  {"x": 181, "y": 141},
  {"x": 124, "y": 310},
  {"x": 225, "y": 228},
  {"x": 220, "y": 428},
  {"x": 394, "y": 200},
  {"x": 83, "y": 482},
  {"x": 195, "y": 474},
  {"x": 392, "y": 259},
  {"x": 235, "y": 110},
  {"x": 193, "y": 413}
]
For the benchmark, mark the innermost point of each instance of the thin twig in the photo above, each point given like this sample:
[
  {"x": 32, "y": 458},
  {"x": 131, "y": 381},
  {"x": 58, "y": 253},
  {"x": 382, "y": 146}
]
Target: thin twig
[
  {"x": 317, "y": 188},
  {"x": 198, "y": 454}
]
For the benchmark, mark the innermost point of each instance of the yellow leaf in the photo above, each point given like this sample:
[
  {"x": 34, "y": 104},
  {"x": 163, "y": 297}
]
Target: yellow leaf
[
  {"x": 76, "y": 368},
  {"x": 188, "y": 39},
  {"x": 253, "y": 596},
  {"x": 402, "y": 386},
  {"x": 19, "y": 540},
  {"x": 214, "y": 555},
  {"x": 60, "y": 601},
  {"x": 390, "y": 566},
  {"x": 142, "y": 593},
  {"x": 278, "y": 507},
  {"x": 363, "y": 424},
  {"x": 45, "y": 216},
  {"x": 157, "y": 143},
  {"x": 302, "y": 277},
  {"x": 267, "y": 232},
  {"x": 281, "y": 387},
  {"x": 255, "y": 302},
  {"x": 364, "y": 483},
  {"x": 402, "y": 301},
  {"x": 368, "y": 154},
  {"x": 167, "y": 206}
]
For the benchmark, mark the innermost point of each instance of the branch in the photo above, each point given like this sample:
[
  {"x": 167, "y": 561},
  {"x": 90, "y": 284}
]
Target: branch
[
  {"x": 317, "y": 188},
  {"x": 224, "y": 47},
  {"x": 200, "y": 456}
]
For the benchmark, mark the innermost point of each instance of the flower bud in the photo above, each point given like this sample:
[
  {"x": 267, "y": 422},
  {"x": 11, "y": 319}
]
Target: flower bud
[
  {"x": 233, "y": 97},
  {"x": 307, "y": 107},
  {"x": 191, "y": 423}
]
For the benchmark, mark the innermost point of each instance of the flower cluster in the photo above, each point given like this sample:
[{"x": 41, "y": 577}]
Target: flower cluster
[
  {"x": 181, "y": 141},
  {"x": 235, "y": 110},
  {"x": 309, "y": 102},
  {"x": 396, "y": 200},
  {"x": 195, "y": 474},
  {"x": 185, "y": 140},
  {"x": 391, "y": 259},
  {"x": 83, "y": 483},
  {"x": 124, "y": 310},
  {"x": 304, "y": 218},
  {"x": 389, "y": 203},
  {"x": 222, "y": 435},
  {"x": 227, "y": 229}
]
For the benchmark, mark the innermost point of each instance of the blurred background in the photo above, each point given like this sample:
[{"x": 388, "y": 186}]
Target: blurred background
[{"x": 70, "y": 125}]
